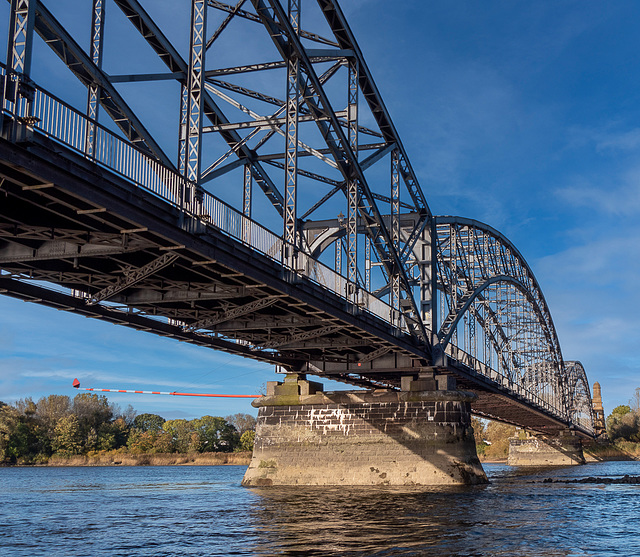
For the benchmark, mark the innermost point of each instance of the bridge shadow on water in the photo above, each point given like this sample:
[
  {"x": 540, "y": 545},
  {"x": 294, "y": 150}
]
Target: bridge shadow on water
[{"x": 513, "y": 515}]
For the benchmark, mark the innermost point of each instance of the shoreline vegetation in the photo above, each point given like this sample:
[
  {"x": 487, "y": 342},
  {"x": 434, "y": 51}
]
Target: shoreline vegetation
[
  {"x": 602, "y": 452},
  {"x": 90, "y": 431},
  {"x": 115, "y": 458}
]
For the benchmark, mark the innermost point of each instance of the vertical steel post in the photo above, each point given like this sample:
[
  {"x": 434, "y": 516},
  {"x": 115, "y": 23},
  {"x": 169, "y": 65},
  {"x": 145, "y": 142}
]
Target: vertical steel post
[
  {"x": 352, "y": 183},
  {"x": 195, "y": 89},
  {"x": 429, "y": 279},
  {"x": 93, "y": 100},
  {"x": 21, "y": 36},
  {"x": 394, "y": 293},
  {"x": 367, "y": 263},
  {"x": 291, "y": 147},
  {"x": 19, "y": 49},
  {"x": 246, "y": 202},
  {"x": 246, "y": 191},
  {"x": 184, "y": 118}
]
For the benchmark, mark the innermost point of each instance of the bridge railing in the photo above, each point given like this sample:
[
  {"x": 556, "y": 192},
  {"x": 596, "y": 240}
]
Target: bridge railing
[
  {"x": 62, "y": 123},
  {"x": 495, "y": 377}
]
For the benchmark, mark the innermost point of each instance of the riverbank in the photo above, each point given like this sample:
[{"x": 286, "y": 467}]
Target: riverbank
[
  {"x": 597, "y": 452},
  {"x": 114, "y": 458},
  {"x": 621, "y": 451}
]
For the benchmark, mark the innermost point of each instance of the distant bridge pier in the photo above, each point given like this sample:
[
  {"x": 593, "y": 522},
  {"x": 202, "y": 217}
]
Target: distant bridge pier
[
  {"x": 563, "y": 449},
  {"x": 421, "y": 435}
]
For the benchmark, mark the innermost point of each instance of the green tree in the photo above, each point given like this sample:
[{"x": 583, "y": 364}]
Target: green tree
[
  {"x": 246, "y": 441},
  {"x": 216, "y": 434},
  {"x": 68, "y": 438},
  {"x": 112, "y": 435},
  {"x": 614, "y": 421},
  {"x": 624, "y": 423},
  {"x": 26, "y": 438},
  {"x": 182, "y": 437},
  {"x": 148, "y": 422}
]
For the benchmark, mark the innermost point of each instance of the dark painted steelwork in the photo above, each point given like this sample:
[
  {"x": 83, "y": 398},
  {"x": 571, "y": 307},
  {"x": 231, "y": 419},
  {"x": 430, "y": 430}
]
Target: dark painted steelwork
[{"x": 124, "y": 235}]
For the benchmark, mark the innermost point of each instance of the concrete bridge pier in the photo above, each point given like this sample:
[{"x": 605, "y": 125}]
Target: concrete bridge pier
[
  {"x": 421, "y": 435},
  {"x": 563, "y": 449}
]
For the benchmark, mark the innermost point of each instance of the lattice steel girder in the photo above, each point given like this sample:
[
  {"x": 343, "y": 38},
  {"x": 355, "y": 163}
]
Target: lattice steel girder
[
  {"x": 195, "y": 84},
  {"x": 245, "y": 309},
  {"x": 315, "y": 333},
  {"x": 387, "y": 363},
  {"x": 395, "y": 223},
  {"x": 353, "y": 191},
  {"x": 170, "y": 56},
  {"x": 133, "y": 277},
  {"x": 290, "y": 233},
  {"x": 94, "y": 94},
  {"x": 285, "y": 39},
  {"x": 578, "y": 395},
  {"x": 58, "y": 300},
  {"x": 375, "y": 354},
  {"x": 20, "y": 44},
  {"x": 88, "y": 73}
]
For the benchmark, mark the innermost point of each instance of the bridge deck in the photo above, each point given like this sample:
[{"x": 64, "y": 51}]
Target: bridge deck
[{"x": 119, "y": 253}]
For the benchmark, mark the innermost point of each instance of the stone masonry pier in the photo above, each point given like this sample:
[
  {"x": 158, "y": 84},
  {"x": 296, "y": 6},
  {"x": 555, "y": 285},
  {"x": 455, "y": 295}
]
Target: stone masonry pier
[
  {"x": 415, "y": 437},
  {"x": 545, "y": 450}
]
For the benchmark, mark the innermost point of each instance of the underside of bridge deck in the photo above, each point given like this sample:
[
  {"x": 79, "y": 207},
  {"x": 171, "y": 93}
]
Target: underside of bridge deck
[{"x": 79, "y": 238}]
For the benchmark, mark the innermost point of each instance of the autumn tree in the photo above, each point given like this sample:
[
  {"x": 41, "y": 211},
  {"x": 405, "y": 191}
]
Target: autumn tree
[
  {"x": 479, "y": 432},
  {"x": 183, "y": 437},
  {"x": 497, "y": 434},
  {"x": 242, "y": 422},
  {"x": 67, "y": 436}
]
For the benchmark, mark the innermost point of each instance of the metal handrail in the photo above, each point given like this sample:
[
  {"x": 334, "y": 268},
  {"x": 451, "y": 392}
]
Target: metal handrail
[{"x": 62, "y": 123}]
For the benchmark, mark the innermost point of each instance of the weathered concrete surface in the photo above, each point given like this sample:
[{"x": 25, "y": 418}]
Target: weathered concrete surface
[
  {"x": 363, "y": 438},
  {"x": 539, "y": 450}
]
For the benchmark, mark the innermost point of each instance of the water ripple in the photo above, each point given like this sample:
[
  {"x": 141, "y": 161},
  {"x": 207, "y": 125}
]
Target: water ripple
[{"x": 203, "y": 511}]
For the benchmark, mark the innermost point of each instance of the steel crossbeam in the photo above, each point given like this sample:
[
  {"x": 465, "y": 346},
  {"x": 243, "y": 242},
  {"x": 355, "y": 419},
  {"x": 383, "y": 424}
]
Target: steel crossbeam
[
  {"x": 61, "y": 42},
  {"x": 170, "y": 56},
  {"x": 460, "y": 295},
  {"x": 307, "y": 335},
  {"x": 239, "y": 311},
  {"x": 285, "y": 38},
  {"x": 132, "y": 277}
]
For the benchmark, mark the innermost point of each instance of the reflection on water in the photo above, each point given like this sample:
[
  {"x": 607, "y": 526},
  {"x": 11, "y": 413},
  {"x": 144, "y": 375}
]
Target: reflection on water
[{"x": 203, "y": 511}]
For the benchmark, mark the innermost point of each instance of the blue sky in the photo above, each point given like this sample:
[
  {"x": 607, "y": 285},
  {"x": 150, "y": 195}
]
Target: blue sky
[{"x": 523, "y": 115}]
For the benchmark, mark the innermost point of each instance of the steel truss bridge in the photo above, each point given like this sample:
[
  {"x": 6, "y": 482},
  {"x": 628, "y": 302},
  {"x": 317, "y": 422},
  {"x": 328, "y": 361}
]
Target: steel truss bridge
[{"x": 288, "y": 226}]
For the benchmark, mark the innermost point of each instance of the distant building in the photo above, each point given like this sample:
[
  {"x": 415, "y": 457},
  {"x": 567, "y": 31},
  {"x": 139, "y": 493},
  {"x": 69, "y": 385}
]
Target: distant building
[{"x": 598, "y": 411}]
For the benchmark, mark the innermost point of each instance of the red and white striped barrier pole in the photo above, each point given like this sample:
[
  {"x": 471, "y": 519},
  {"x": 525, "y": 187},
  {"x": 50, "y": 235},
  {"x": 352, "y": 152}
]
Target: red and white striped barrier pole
[{"x": 76, "y": 385}]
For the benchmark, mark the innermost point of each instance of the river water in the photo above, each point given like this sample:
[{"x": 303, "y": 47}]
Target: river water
[{"x": 203, "y": 511}]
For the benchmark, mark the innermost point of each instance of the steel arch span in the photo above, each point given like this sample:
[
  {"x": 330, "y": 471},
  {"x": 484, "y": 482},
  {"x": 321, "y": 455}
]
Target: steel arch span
[
  {"x": 287, "y": 129},
  {"x": 578, "y": 396},
  {"x": 492, "y": 311}
]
